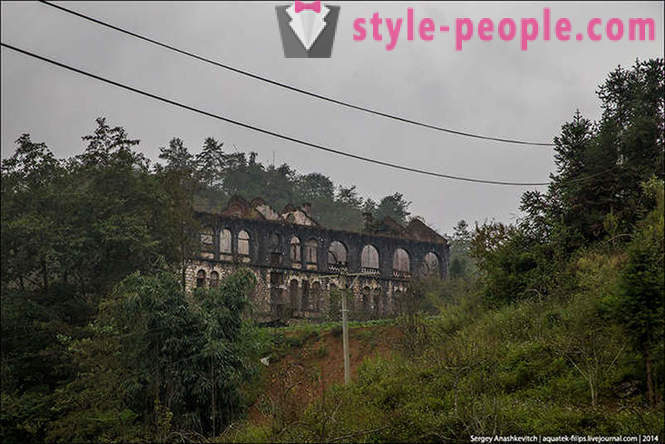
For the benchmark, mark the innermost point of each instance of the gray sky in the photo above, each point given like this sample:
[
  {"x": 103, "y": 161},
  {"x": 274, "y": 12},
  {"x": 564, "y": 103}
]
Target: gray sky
[{"x": 491, "y": 88}]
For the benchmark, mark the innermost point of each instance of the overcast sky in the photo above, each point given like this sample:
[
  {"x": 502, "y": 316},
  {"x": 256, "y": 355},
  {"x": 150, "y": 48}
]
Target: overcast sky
[{"x": 491, "y": 88}]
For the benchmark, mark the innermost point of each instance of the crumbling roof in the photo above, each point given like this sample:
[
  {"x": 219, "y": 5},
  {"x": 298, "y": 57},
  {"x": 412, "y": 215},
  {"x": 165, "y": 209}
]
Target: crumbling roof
[
  {"x": 266, "y": 210},
  {"x": 239, "y": 207},
  {"x": 386, "y": 226},
  {"x": 416, "y": 229},
  {"x": 298, "y": 216},
  {"x": 419, "y": 230}
]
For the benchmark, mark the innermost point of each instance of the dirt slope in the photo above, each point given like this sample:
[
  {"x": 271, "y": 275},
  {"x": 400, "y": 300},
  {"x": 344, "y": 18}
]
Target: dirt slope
[{"x": 303, "y": 373}]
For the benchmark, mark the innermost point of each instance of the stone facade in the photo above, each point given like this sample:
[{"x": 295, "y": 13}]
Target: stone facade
[{"x": 299, "y": 264}]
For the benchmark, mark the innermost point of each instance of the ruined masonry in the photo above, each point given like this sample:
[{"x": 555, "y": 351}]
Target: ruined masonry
[{"x": 299, "y": 263}]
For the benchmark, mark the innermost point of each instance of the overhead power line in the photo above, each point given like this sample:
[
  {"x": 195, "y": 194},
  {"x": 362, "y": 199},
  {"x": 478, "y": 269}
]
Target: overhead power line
[
  {"x": 291, "y": 87},
  {"x": 262, "y": 130}
]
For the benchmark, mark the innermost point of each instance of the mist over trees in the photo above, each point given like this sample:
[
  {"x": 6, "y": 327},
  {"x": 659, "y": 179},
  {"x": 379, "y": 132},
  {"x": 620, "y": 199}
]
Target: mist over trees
[
  {"x": 94, "y": 250},
  {"x": 605, "y": 195},
  {"x": 553, "y": 324},
  {"x": 548, "y": 326},
  {"x": 221, "y": 175}
]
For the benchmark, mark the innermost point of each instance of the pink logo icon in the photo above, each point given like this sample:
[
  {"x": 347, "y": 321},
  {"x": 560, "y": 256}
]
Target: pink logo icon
[{"x": 314, "y": 6}]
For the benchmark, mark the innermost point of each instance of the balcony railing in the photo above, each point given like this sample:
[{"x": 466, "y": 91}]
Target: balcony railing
[
  {"x": 337, "y": 267},
  {"x": 399, "y": 274}
]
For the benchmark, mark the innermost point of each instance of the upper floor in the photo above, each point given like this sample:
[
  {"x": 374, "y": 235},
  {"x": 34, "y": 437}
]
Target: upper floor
[{"x": 255, "y": 234}]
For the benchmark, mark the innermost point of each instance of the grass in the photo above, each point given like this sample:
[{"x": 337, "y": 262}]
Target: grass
[{"x": 484, "y": 370}]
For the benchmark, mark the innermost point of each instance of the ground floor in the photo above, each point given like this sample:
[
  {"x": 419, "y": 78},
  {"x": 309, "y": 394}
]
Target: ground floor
[{"x": 292, "y": 294}]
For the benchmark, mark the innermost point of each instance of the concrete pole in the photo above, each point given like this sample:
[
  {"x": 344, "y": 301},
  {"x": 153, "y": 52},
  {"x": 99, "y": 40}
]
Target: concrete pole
[{"x": 345, "y": 337}]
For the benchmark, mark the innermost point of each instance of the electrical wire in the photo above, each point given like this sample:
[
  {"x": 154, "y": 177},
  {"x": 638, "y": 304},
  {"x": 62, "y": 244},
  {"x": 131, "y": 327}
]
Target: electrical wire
[
  {"x": 265, "y": 131},
  {"x": 291, "y": 87}
]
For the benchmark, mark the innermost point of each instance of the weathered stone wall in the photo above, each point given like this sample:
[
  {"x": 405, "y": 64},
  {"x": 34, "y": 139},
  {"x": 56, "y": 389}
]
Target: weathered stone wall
[{"x": 301, "y": 289}]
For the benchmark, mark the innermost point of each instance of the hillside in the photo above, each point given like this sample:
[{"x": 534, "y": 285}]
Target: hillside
[
  {"x": 306, "y": 360},
  {"x": 536, "y": 367},
  {"x": 553, "y": 324}
]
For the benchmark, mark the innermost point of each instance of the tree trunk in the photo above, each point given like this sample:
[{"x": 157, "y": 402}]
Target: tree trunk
[{"x": 593, "y": 393}]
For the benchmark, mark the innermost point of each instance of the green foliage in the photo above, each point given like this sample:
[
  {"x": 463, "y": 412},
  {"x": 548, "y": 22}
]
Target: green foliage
[
  {"x": 600, "y": 166},
  {"x": 395, "y": 207},
  {"x": 640, "y": 301},
  {"x": 563, "y": 331},
  {"x": 641, "y": 292},
  {"x": 74, "y": 234},
  {"x": 228, "y": 174},
  {"x": 513, "y": 266},
  {"x": 462, "y": 264},
  {"x": 155, "y": 358},
  {"x": 478, "y": 370},
  {"x": 596, "y": 192}
]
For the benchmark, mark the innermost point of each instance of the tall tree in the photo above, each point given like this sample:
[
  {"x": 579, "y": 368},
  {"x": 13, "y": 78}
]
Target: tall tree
[
  {"x": 641, "y": 299},
  {"x": 600, "y": 166},
  {"x": 394, "y": 206},
  {"x": 210, "y": 162},
  {"x": 180, "y": 184},
  {"x": 29, "y": 206}
]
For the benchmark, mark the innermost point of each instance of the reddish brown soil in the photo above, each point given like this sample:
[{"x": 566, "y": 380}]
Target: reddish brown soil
[{"x": 304, "y": 373}]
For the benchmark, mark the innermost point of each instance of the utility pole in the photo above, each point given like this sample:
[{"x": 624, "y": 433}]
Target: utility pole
[
  {"x": 345, "y": 334},
  {"x": 345, "y": 318}
]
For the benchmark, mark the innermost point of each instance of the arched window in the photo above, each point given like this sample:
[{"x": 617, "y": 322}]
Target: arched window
[
  {"x": 376, "y": 301},
  {"x": 274, "y": 244},
  {"x": 369, "y": 259},
  {"x": 336, "y": 255},
  {"x": 207, "y": 243},
  {"x": 305, "y": 295},
  {"x": 401, "y": 261},
  {"x": 225, "y": 241},
  {"x": 397, "y": 301},
  {"x": 294, "y": 249},
  {"x": 201, "y": 279},
  {"x": 293, "y": 295},
  {"x": 206, "y": 237},
  {"x": 214, "y": 279},
  {"x": 243, "y": 243},
  {"x": 311, "y": 251},
  {"x": 316, "y": 296},
  {"x": 335, "y": 297},
  {"x": 431, "y": 264},
  {"x": 366, "y": 302}
]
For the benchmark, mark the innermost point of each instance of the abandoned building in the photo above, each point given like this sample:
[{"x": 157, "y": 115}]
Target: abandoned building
[{"x": 300, "y": 265}]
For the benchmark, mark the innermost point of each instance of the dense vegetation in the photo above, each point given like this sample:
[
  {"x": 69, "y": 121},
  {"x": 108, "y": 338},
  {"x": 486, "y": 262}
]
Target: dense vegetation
[
  {"x": 223, "y": 175},
  {"x": 550, "y": 325},
  {"x": 99, "y": 340}
]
